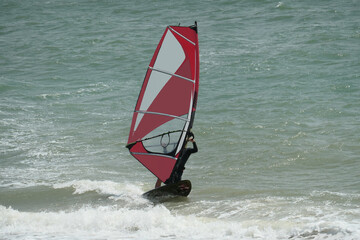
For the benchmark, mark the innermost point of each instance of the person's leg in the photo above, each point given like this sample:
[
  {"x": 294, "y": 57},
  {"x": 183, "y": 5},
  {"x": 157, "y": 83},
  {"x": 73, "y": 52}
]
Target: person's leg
[{"x": 158, "y": 183}]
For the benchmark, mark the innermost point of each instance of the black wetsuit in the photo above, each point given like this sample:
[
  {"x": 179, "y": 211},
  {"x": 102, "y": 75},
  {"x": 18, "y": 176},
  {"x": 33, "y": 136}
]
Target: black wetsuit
[{"x": 180, "y": 164}]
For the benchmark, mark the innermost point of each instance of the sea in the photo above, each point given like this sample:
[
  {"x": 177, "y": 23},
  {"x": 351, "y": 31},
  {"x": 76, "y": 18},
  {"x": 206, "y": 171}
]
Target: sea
[{"x": 277, "y": 122}]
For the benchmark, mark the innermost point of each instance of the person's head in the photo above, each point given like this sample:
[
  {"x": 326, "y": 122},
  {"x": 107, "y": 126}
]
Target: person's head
[{"x": 190, "y": 136}]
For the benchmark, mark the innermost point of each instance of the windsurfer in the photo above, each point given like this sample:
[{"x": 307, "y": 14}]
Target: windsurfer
[{"x": 180, "y": 164}]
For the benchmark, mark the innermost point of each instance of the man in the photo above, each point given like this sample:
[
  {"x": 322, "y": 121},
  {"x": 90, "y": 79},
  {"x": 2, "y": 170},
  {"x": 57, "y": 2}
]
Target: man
[{"x": 180, "y": 163}]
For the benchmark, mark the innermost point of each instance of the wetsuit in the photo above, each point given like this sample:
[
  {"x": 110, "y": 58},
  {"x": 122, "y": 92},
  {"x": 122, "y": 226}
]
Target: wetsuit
[{"x": 180, "y": 164}]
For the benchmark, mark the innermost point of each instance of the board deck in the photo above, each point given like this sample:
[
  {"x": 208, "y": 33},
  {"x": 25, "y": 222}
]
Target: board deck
[{"x": 167, "y": 192}]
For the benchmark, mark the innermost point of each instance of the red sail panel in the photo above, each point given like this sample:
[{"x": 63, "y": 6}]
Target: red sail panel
[
  {"x": 174, "y": 99},
  {"x": 159, "y": 165},
  {"x": 166, "y": 104}
]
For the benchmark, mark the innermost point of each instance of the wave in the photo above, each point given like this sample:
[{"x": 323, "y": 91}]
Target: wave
[
  {"x": 89, "y": 89},
  {"x": 101, "y": 187},
  {"x": 157, "y": 222},
  {"x": 111, "y": 210},
  {"x": 126, "y": 194}
]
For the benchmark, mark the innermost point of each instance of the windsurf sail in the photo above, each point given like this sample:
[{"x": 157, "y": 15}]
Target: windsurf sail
[{"x": 165, "y": 109}]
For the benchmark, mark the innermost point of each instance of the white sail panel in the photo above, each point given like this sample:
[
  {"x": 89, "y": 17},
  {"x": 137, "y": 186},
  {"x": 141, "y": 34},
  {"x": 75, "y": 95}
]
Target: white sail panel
[
  {"x": 186, "y": 126},
  {"x": 156, "y": 82},
  {"x": 171, "y": 56}
]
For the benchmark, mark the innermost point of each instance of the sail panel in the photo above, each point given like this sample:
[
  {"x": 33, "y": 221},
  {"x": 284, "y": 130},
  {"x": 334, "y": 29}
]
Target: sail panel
[
  {"x": 171, "y": 55},
  {"x": 155, "y": 84},
  {"x": 160, "y": 165},
  {"x": 174, "y": 99}
]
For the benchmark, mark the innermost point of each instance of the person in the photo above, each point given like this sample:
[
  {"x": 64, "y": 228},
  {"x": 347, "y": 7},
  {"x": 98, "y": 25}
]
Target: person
[{"x": 180, "y": 163}]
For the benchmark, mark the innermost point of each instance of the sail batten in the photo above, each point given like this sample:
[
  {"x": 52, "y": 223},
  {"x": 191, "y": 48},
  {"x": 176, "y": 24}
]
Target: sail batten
[
  {"x": 153, "y": 154},
  {"x": 182, "y": 36},
  {"x": 166, "y": 105},
  {"x": 172, "y": 74},
  {"x": 164, "y": 114}
]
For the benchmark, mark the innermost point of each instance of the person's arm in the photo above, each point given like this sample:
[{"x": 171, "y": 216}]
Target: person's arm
[{"x": 195, "y": 149}]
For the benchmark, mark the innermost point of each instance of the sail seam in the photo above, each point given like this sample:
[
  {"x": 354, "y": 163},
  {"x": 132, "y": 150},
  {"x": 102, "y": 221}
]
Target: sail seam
[
  {"x": 153, "y": 154},
  {"x": 182, "y": 36},
  {"x": 163, "y": 114},
  {"x": 172, "y": 74}
]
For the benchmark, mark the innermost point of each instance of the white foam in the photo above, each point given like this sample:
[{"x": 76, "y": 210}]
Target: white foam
[
  {"x": 129, "y": 193},
  {"x": 102, "y": 187},
  {"x": 131, "y": 217},
  {"x": 113, "y": 223},
  {"x": 280, "y": 4},
  {"x": 157, "y": 222},
  {"x": 338, "y": 194}
]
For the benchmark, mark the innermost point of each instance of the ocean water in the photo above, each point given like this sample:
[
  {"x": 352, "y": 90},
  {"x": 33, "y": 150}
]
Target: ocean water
[{"x": 277, "y": 125}]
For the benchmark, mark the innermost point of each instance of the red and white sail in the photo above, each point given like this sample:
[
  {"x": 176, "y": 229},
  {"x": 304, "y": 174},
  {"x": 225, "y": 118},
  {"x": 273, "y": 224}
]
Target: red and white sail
[{"x": 165, "y": 109}]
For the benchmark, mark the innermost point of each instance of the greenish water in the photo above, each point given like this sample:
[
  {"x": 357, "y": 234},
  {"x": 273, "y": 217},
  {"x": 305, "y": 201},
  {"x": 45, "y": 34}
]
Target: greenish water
[{"x": 277, "y": 124}]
